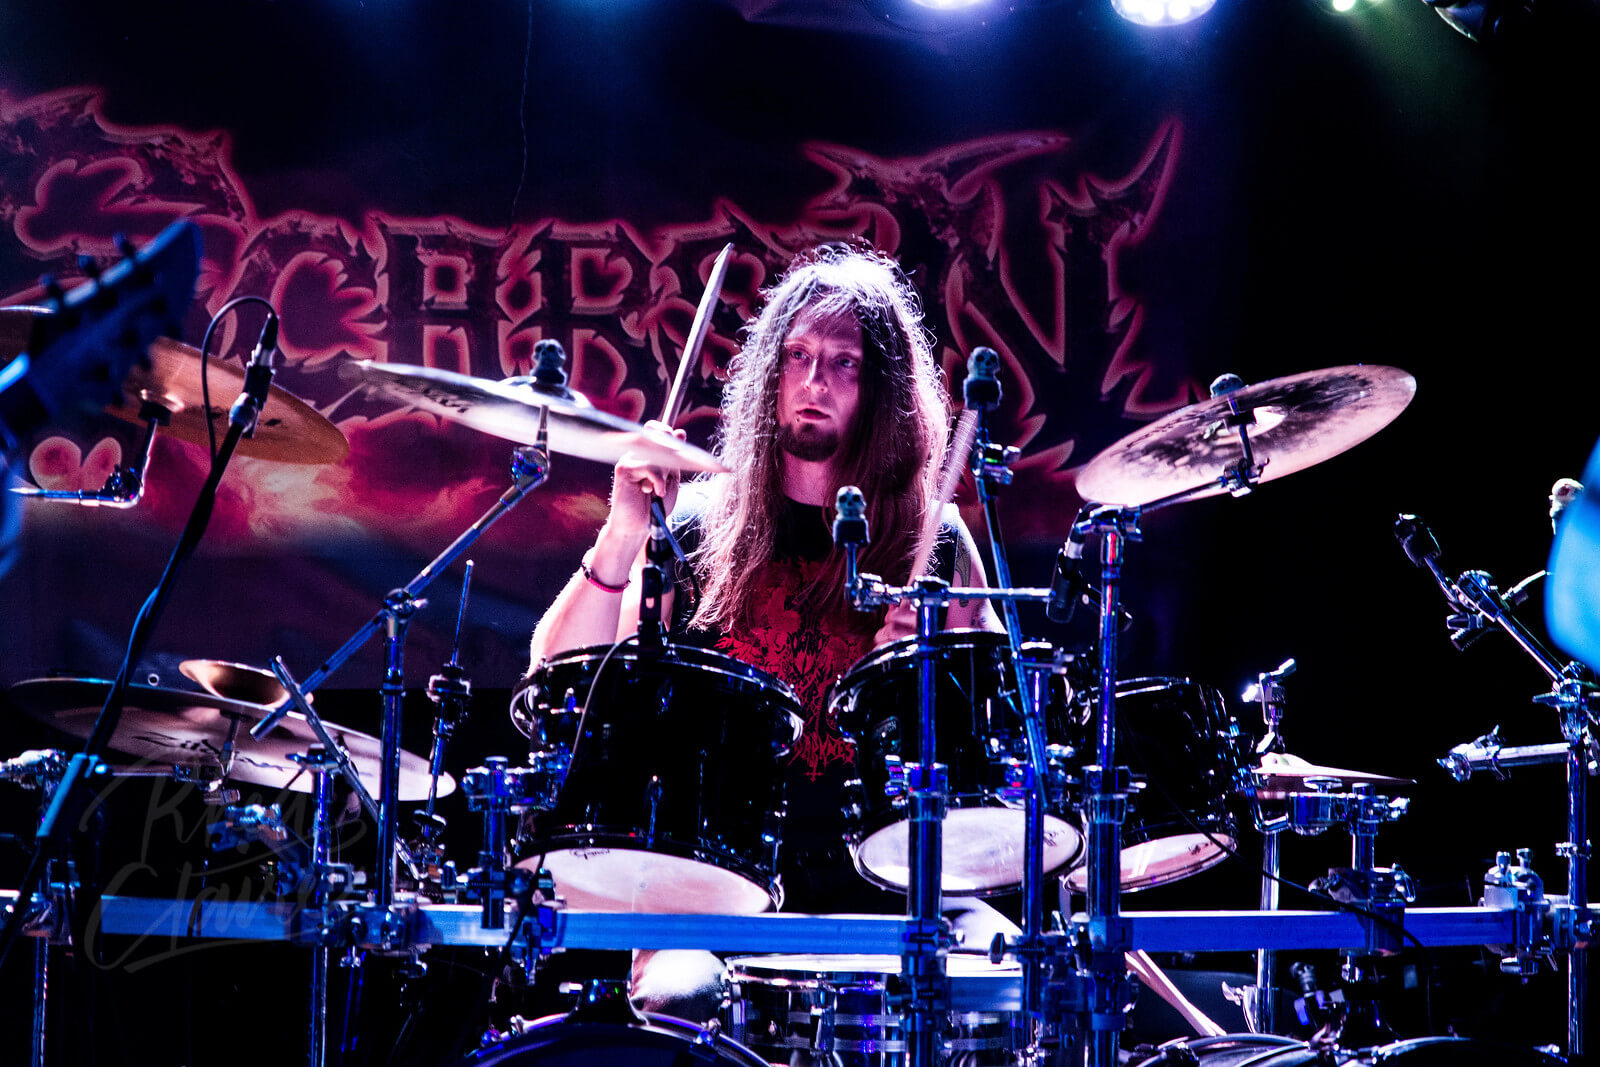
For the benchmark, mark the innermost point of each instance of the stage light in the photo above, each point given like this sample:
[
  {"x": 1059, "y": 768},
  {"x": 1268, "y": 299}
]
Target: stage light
[
  {"x": 1344, "y": 7},
  {"x": 1161, "y": 12}
]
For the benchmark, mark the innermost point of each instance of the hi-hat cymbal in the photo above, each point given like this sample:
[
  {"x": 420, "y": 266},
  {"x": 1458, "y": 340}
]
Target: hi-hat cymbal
[
  {"x": 512, "y": 409},
  {"x": 288, "y": 431},
  {"x": 1299, "y": 421},
  {"x": 182, "y": 729},
  {"x": 1281, "y": 773},
  {"x": 236, "y": 681}
]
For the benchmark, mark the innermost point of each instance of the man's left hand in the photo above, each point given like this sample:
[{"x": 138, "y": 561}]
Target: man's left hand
[{"x": 900, "y": 621}]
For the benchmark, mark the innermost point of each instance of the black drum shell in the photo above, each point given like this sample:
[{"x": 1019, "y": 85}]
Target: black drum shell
[{"x": 678, "y": 752}]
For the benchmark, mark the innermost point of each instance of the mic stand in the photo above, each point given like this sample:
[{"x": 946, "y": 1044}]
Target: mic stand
[
  {"x": 530, "y": 466},
  {"x": 67, "y": 802},
  {"x": 1574, "y": 697},
  {"x": 450, "y": 690},
  {"x": 992, "y": 467}
]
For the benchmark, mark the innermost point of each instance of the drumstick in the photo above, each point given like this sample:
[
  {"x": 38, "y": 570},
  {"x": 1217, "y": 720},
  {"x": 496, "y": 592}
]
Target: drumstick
[
  {"x": 954, "y": 466},
  {"x": 697, "y": 335},
  {"x": 1140, "y": 963}
]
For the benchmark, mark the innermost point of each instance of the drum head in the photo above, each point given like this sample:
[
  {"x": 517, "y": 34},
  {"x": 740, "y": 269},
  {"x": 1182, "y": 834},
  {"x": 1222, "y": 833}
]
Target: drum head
[
  {"x": 1161, "y": 861},
  {"x": 983, "y": 848},
  {"x": 630, "y": 879}
]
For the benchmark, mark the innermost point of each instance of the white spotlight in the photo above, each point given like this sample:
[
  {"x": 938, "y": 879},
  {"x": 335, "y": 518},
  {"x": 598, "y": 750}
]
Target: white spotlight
[{"x": 1161, "y": 12}]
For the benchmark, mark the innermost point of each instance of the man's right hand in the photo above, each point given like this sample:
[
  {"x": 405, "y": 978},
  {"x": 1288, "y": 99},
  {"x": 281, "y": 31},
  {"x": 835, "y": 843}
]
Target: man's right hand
[{"x": 632, "y": 483}]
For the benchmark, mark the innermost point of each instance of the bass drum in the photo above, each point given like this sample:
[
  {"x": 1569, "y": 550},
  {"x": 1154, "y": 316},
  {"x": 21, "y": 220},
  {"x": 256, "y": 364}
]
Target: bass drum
[
  {"x": 657, "y": 1041},
  {"x": 673, "y": 798},
  {"x": 1268, "y": 1050}
]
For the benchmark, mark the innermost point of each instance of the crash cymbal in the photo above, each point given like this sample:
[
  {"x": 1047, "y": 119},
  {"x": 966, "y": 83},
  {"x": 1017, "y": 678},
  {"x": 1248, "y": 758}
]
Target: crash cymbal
[
  {"x": 236, "y": 681},
  {"x": 289, "y": 430},
  {"x": 511, "y": 409},
  {"x": 1299, "y": 421},
  {"x": 183, "y": 729},
  {"x": 1280, "y": 773}
]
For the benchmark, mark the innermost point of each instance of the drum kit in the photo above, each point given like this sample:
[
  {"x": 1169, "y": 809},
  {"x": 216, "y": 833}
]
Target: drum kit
[{"x": 651, "y": 803}]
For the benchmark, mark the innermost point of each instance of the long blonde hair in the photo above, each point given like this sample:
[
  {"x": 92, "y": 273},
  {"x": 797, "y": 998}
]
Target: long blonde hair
[{"x": 892, "y": 452}]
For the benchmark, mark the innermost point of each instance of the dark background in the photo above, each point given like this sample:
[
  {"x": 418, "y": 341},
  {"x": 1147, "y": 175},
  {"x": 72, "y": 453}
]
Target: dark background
[{"x": 1372, "y": 189}]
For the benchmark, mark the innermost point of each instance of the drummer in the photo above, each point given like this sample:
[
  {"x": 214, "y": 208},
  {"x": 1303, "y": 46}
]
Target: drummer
[{"x": 836, "y": 385}]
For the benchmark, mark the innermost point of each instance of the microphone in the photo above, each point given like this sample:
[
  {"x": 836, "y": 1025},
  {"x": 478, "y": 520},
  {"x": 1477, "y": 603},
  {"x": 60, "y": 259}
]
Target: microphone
[
  {"x": 266, "y": 344},
  {"x": 1562, "y": 496},
  {"x": 1422, "y": 549},
  {"x": 981, "y": 391},
  {"x": 850, "y": 518},
  {"x": 850, "y": 533},
  {"x": 1067, "y": 586}
]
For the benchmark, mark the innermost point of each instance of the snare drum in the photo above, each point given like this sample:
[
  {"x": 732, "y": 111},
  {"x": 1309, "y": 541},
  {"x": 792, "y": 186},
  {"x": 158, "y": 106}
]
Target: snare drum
[
  {"x": 1172, "y": 734},
  {"x": 841, "y": 1008},
  {"x": 978, "y": 731},
  {"x": 673, "y": 798}
]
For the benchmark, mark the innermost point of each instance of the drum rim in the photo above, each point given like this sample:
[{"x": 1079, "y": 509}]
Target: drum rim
[
  {"x": 683, "y": 653},
  {"x": 964, "y": 637}
]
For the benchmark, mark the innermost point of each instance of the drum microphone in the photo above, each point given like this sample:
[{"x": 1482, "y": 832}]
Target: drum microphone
[
  {"x": 850, "y": 531},
  {"x": 981, "y": 391},
  {"x": 1067, "y": 583}
]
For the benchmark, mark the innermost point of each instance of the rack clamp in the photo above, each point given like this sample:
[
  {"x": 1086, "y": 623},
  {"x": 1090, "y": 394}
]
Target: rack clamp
[
  {"x": 1518, "y": 888},
  {"x": 1381, "y": 894}
]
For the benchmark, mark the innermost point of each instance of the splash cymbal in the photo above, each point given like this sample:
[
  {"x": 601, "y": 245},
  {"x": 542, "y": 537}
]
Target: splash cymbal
[
  {"x": 172, "y": 727},
  {"x": 1297, "y": 421},
  {"x": 1281, "y": 773},
  {"x": 512, "y": 409}
]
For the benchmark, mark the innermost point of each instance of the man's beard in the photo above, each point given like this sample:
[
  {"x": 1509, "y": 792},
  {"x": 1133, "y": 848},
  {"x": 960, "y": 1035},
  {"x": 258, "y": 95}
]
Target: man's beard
[{"x": 810, "y": 443}]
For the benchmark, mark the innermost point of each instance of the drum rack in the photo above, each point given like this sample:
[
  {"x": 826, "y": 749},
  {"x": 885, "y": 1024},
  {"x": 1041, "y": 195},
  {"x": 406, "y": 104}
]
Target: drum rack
[{"x": 1523, "y": 919}]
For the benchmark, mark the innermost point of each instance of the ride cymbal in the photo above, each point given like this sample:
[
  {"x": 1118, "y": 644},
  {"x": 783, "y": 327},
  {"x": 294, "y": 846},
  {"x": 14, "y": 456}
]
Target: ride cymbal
[{"x": 1295, "y": 422}]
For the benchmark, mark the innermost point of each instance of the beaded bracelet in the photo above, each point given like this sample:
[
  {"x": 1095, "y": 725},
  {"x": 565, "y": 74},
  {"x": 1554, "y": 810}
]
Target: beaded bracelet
[{"x": 588, "y": 575}]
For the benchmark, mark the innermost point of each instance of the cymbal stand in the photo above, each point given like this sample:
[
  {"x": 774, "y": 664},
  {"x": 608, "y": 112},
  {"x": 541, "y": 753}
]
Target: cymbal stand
[
  {"x": 321, "y": 764},
  {"x": 530, "y": 467},
  {"x": 1262, "y": 999},
  {"x": 125, "y": 485},
  {"x": 1568, "y": 924},
  {"x": 39, "y": 769},
  {"x": 991, "y": 463}
]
